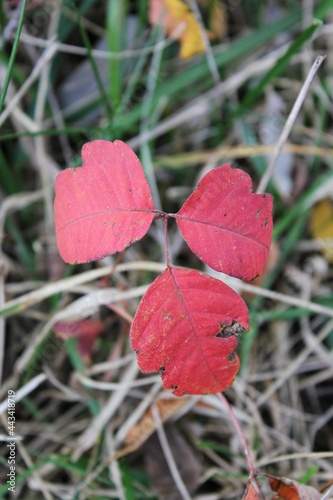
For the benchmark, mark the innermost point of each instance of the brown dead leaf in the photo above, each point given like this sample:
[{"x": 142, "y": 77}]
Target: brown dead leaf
[
  {"x": 288, "y": 489},
  {"x": 250, "y": 493},
  {"x": 147, "y": 425}
]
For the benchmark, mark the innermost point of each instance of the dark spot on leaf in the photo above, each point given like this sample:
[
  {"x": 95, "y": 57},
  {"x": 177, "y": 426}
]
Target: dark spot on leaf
[
  {"x": 224, "y": 215},
  {"x": 137, "y": 352},
  {"x": 265, "y": 222},
  {"x": 257, "y": 213},
  {"x": 231, "y": 356},
  {"x": 166, "y": 315},
  {"x": 162, "y": 369},
  {"x": 173, "y": 387},
  {"x": 235, "y": 329}
]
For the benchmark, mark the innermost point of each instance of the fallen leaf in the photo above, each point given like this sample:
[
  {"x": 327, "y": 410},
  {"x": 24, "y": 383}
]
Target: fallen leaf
[
  {"x": 187, "y": 327},
  {"x": 288, "y": 489},
  {"x": 173, "y": 14},
  {"x": 217, "y": 16},
  {"x": 147, "y": 425},
  {"x": 103, "y": 206},
  {"x": 250, "y": 493},
  {"x": 226, "y": 225},
  {"x": 85, "y": 331},
  {"x": 322, "y": 226}
]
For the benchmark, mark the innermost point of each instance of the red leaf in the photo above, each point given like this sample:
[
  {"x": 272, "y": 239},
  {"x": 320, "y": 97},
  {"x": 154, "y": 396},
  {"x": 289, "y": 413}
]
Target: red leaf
[
  {"x": 104, "y": 206},
  {"x": 176, "y": 327},
  {"x": 84, "y": 330},
  {"x": 226, "y": 225}
]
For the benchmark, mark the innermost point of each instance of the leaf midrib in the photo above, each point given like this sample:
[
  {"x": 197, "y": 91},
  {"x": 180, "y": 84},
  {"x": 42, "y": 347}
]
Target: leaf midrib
[
  {"x": 225, "y": 228},
  {"x": 106, "y": 212}
]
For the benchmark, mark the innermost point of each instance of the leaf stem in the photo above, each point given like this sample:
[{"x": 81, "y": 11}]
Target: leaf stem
[
  {"x": 250, "y": 463},
  {"x": 159, "y": 214},
  {"x": 166, "y": 241}
]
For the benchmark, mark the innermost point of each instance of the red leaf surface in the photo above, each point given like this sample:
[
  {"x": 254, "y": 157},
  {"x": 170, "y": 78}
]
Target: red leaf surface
[
  {"x": 186, "y": 327},
  {"x": 103, "y": 206},
  {"x": 226, "y": 225}
]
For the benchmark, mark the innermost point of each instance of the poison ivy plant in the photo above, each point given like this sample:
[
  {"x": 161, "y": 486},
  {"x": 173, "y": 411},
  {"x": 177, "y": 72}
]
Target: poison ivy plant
[{"x": 188, "y": 324}]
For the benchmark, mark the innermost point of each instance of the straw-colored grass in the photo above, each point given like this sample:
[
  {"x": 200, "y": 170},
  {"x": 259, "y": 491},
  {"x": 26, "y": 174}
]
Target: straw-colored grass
[{"x": 71, "y": 72}]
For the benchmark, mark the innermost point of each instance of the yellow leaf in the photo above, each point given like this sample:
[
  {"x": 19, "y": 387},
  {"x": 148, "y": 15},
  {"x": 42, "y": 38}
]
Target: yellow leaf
[
  {"x": 322, "y": 227},
  {"x": 177, "y": 8},
  {"x": 217, "y": 17},
  {"x": 173, "y": 14}
]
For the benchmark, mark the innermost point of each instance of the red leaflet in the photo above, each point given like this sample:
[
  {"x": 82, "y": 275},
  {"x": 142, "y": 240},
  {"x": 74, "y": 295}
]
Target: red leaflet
[
  {"x": 226, "y": 225},
  {"x": 104, "y": 206},
  {"x": 187, "y": 327}
]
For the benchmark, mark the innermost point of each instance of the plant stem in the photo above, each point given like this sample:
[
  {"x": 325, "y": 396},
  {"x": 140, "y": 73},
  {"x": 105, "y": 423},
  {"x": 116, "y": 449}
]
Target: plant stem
[
  {"x": 239, "y": 432},
  {"x": 250, "y": 463},
  {"x": 166, "y": 242}
]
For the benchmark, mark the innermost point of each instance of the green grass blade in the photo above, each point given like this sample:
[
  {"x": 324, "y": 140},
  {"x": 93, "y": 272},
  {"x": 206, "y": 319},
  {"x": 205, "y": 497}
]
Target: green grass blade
[
  {"x": 66, "y": 24},
  {"x": 243, "y": 46},
  {"x": 323, "y": 9},
  {"x": 278, "y": 68},
  {"x": 86, "y": 41},
  {"x": 309, "y": 474},
  {"x": 2, "y": 18},
  {"x": 12, "y": 56},
  {"x": 20, "y": 476},
  {"x": 79, "y": 365},
  {"x": 115, "y": 22}
]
